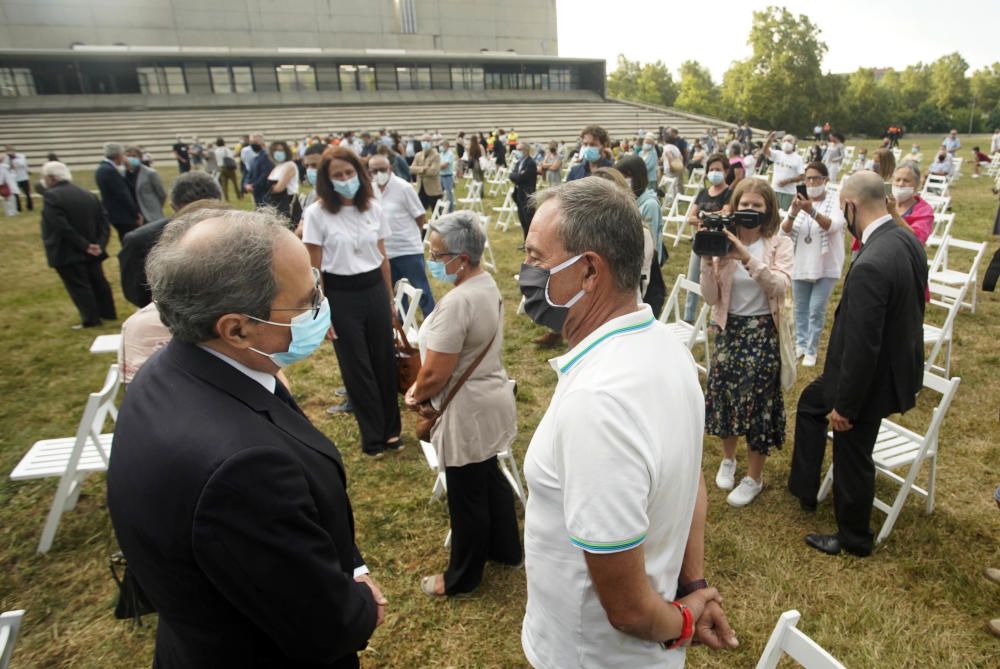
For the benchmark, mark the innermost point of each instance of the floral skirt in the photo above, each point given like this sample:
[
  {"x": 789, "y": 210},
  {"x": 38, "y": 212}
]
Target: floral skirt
[{"x": 744, "y": 384}]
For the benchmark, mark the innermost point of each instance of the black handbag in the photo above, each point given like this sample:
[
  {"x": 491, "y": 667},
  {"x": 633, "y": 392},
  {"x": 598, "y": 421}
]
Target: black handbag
[{"x": 132, "y": 600}]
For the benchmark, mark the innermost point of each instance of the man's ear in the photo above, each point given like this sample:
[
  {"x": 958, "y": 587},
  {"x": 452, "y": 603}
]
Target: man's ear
[{"x": 234, "y": 329}]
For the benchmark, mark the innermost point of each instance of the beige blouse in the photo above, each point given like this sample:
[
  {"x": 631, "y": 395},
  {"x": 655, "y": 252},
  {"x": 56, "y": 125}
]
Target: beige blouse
[{"x": 481, "y": 420}]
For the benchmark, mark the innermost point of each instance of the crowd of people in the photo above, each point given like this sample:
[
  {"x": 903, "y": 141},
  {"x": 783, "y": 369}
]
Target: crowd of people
[{"x": 233, "y": 510}]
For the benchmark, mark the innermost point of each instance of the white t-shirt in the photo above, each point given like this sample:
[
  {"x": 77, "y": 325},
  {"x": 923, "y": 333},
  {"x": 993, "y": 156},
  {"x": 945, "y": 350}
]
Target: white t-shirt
[
  {"x": 749, "y": 163},
  {"x": 786, "y": 166},
  {"x": 349, "y": 238},
  {"x": 670, "y": 152},
  {"x": 810, "y": 262},
  {"x": 279, "y": 171},
  {"x": 221, "y": 153},
  {"x": 611, "y": 466},
  {"x": 401, "y": 206},
  {"x": 747, "y": 298}
]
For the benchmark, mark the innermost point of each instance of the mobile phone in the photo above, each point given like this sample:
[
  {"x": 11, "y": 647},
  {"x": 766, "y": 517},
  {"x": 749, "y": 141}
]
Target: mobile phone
[
  {"x": 780, "y": 134},
  {"x": 801, "y": 190},
  {"x": 888, "y": 188}
]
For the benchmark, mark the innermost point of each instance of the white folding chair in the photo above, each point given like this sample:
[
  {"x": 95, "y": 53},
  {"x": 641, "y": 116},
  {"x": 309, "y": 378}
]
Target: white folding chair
[
  {"x": 695, "y": 181},
  {"x": 848, "y": 154},
  {"x": 107, "y": 343},
  {"x": 407, "y": 314},
  {"x": 473, "y": 197},
  {"x": 10, "y": 624},
  {"x": 72, "y": 458},
  {"x": 788, "y": 639},
  {"x": 506, "y": 212},
  {"x": 939, "y": 203},
  {"x": 668, "y": 185},
  {"x": 935, "y": 184},
  {"x": 956, "y": 168},
  {"x": 690, "y": 334},
  {"x": 896, "y": 153},
  {"x": 498, "y": 181},
  {"x": 440, "y": 209},
  {"x": 488, "y": 261},
  {"x": 941, "y": 336},
  {"x": 898, "y": 447},
  {"x": 942, "y": 227},
  {"x": 950, "y": 276},
  {"x": 677, "y": 219}
]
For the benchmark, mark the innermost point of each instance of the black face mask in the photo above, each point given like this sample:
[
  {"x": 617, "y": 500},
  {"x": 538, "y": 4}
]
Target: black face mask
[
  {"x": 941, "y": 157},
  {"x": 851, "y": 225},
  {"x": 533, "y": 282},
  {"x": 255, "y": 148}
]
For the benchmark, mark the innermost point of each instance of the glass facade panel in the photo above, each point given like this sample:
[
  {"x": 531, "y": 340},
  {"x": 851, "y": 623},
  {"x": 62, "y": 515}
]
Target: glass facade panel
[
  {"x": 242, "y": 79},
  {"x": 222, "y": 81},
  {"x": 296, "y": 78},
  {"x": 348, "y": 77}
]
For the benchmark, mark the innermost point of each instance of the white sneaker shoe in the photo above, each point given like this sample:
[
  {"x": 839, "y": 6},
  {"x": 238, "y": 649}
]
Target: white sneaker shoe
[
  {"x": 808, "y": 361},
  {"x": 745, "y": 493},
  {"x": 726, "y": 478},
  {"x": 799, "y": 352}
]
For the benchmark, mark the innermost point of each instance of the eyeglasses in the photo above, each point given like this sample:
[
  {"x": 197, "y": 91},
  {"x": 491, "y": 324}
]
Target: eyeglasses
[
  {"x": 437, "y": 256},
  {"x": 317, "y": 297},
  {"x": 379, "y": 170}
]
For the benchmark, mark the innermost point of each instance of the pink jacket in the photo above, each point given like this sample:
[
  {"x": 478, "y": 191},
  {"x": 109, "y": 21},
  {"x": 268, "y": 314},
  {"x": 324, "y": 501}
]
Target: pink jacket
[{"x": 773, "y": 276}]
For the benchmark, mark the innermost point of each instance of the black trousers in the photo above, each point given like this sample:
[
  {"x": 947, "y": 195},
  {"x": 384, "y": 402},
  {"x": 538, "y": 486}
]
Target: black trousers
[
  {"x": 123, "y": 230},
  {"x": 25, "y": 187},
  {"x": 524, "y": 212},
  {"x": 89, "y": 291},
  {"x": 483, "y": 524},
  {"x": 429, "y": 201},
  {"x": 359, "y": 311},
  {"x": 656, "y": 291},
  {"x": 853, "y": 469}
]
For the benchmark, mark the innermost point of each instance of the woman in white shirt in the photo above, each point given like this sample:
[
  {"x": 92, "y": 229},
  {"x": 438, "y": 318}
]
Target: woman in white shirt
[
  {"x": 345, "y": 233},
  {"x": 284, "y": 180},
  {"x": 746, "y": 289},
  {"x": 816, "y": 227}
]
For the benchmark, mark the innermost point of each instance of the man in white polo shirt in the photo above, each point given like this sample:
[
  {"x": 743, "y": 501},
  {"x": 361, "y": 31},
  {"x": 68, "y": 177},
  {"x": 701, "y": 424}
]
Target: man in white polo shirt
[
  {"x": 406, "y": 217},
  {"x": 789, "y": 169},
  {"x": 615, "y": 518}
]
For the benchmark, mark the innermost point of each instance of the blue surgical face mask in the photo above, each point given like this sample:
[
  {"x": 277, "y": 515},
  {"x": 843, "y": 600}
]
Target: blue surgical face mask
[
  {"x": 134, "y": 162},
  {"x": 439, "y": 270},
  {"x": 426, "y": 146},
  {"x": 715, "y": 177},
  {"x": 311, "y": 175},
  {"x": 348, "y": 188},
  {"x": 279, "y": 156},
  {"x": 516, "y": 155},
  {"x": 308, "y": 333},
  {"x": 590, "y": 153}
]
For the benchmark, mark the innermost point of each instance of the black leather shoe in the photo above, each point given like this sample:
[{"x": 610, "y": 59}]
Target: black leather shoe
[
  {"x": 830, "y": 544},
  {"x": 809, "y": 506}
]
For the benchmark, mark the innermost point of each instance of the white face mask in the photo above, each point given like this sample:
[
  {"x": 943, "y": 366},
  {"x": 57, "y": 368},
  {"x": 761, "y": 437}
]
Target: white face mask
[
  {"x": 815, "y": 191},
  {"x": 381, "y": 178},
  {"x": 902, "y": 193},
  {"x": 787, "y": 147}
]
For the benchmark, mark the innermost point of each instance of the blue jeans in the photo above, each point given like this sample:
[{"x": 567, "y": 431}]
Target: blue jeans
[
  {"x": 412, "y": 269},
  {"x": 694, "y": 275},
  {"x": 811, "y": 298},
  {"x": 448, "y": 186}
]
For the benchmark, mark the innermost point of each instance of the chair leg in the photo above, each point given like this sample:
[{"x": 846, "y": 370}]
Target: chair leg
[
  {"x": 447, "y": 539},
  {"x": 931, "y": 482},
  {"x": 59, "y": 504},
  {"x": 826, "y": 486},
  {"x": 74, "y": 492}
]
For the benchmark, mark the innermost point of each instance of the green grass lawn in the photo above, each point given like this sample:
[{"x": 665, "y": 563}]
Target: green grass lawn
[{"x": 919, "y": 601}]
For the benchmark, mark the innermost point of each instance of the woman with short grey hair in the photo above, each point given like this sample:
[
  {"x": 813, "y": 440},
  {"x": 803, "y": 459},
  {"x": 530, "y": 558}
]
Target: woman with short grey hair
[{"x": 463, "y": 375}]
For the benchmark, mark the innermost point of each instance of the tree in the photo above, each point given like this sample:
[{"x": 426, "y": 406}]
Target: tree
[
  {"x": 779, "y": 85},
  {"x": 985, "y": 86},
  {"x": 697, "y": 93},
  {"x": 623, "y": 82},
  {"x": 866, "y": 104},
  {"x": 650, "y": 83},
  {"x": 949, "y": 87}
]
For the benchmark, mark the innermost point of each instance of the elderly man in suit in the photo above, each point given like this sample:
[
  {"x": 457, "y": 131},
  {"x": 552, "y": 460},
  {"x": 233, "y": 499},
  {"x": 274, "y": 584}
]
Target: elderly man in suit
[
  {"x": 231, "y": 507},
  {"x": 146, "y": 184},
  {"x": 75, "y": 233},
  {"x": 260, "y": 169},
  {"x": 524, "y": 175},
  {"x": 874, "y": 366},
  {"x": 116, "y": 195}
]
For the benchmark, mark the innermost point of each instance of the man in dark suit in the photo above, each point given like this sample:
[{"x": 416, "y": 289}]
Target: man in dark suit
[
  {"x": 524, "y": 174},
  {"x": 257, "y": 182},
  {"x": 116, "y": 194},
  {"x": 75, "y": 233},
  {"x": 188, "y": 187},
  {"x": 231, "y": 508},
  {"x": 874, "y": 366}
]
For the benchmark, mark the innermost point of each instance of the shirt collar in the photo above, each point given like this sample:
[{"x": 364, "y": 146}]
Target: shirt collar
[
  {"x": 873, "y": 226},
  {"x": 263, "y": 378},
  {"x": 635, "y": 321}
]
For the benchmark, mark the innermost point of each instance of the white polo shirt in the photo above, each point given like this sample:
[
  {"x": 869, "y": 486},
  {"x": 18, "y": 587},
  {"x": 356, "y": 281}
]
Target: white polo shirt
[
  {"x": 786, "y": 166},
  {"x": 614, "y": 463},
  {"x": 349, "y": 238},
  {"x": 401, "y": 206}
]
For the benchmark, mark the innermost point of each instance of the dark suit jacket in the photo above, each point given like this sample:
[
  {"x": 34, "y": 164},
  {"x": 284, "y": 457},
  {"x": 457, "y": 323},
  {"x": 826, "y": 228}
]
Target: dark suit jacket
[
  {"x": 117, "y": 197},
  {"x": 581, "y": 170},
  {"x": 524, "y": 174},
  {"x": 261, "y": 168},
  {"x": 72, "y": 220},
  {"x": 132, "y": 261},
  {"x": 875, "y": 359},
  {"x": 232, "y": 511}
]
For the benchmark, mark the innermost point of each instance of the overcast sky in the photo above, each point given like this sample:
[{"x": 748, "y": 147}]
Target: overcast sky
[{"x": 858, "y": 33}]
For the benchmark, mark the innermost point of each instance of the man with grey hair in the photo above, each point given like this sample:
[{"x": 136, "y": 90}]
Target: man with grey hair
[
  {"x": 75, "y": 233},
  {"x": 231, "y": 507},
  {"x": 116, "y": 195},
  {"x": 188, "y": 188},
  {"x": 617, "y": 502}
]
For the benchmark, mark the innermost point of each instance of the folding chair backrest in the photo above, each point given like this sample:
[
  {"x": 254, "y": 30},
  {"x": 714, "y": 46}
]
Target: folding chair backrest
[
  {"x": 99, "y": 406},
  {"x": 942, "y": 226},
  {"x": 978, "y": 250},
  {"x": 685, "y": 202},
  {"x": 10, "y": 624},
  {"x": 696, "y": 177},
  {"x": 408, "y": 315},
  {"x": 488, "y": 260},
  {"x": 787, "y": 639},
  {"x": 440, "y": 209},
  {"x": 935, "y": 261},
  {"x": 947, "y": 388}
]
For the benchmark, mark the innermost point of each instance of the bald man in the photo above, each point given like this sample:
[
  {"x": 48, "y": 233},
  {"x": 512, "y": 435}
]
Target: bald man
[{"x": 874, "y": 366}]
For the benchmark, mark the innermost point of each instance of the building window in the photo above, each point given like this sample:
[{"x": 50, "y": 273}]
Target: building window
[
  {"x": 296, "y": 78},
  {"x": 222, "y": 81},
  {"x": 467, "y": 78},
  {"x": 348, "y": 78},
  {"x": 242, "y": 79},
  {"x": 366, "y": 78},
  {"x": 559, "y": 79},
  {"x": 413, "y": 78},
  {"x": 161, "y": 80},
  {"x": 407, "y": 13},
  {"x": 16, "y": 81}
]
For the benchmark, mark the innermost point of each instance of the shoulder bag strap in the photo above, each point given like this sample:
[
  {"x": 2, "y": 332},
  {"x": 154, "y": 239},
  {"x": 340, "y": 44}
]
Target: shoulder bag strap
[{"x": 475, "y": 363}]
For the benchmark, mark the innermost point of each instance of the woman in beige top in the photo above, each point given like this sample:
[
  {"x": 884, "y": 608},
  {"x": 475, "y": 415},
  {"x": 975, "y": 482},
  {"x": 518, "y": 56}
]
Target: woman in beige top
[{"x": 480, "y": 421}]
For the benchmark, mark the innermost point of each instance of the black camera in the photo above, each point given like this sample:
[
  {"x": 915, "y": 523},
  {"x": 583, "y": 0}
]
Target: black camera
[{"x": 710, "y": 240}]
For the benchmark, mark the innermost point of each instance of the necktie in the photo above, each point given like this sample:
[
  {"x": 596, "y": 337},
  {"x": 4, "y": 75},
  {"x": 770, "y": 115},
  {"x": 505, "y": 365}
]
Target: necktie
[{"x": 281, "y": 392}]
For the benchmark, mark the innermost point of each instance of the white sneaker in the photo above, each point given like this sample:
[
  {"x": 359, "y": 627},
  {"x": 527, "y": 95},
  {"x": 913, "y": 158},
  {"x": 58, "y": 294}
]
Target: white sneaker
[
  {"x": 799, "y": 352},
  {"x": 726, "y": 478},
  {"x": 745, "y": 493},
  {"x": 809, "y": 361}
]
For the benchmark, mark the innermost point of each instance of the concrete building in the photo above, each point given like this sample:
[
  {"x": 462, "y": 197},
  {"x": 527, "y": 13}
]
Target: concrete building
[{"x": 105, "y": 54}]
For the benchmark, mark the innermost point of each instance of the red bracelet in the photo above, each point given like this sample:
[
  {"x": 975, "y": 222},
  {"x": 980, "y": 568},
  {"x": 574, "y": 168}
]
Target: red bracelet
[{"x": 687, "y": 631}]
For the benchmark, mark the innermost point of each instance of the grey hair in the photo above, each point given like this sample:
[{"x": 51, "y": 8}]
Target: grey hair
[
  {"x": 112, "y": 149},
  {"x": 912, "y": 166},
  {"x": 193, "y": 186},
  {"x": 195, "y": 283},
  {"x": 57, "y": 171},
  {"x": 599, "y": 216},
  {"x": 462, "y": 232}
]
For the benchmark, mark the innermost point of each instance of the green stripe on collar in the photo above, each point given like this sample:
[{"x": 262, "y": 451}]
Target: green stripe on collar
[{"x": 630, "y": 328}]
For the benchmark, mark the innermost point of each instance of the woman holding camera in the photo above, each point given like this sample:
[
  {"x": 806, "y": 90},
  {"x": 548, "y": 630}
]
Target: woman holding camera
[
  {"x": 709, "y": 200},
  {"x": 746, "y": 288}
]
